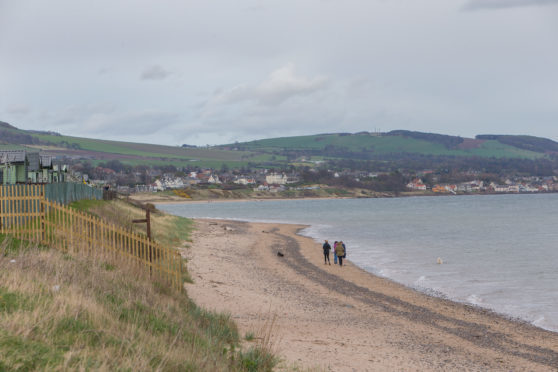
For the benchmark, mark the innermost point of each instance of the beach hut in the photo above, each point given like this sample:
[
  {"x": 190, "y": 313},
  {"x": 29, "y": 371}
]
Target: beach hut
[
  {"x": 26, "y": 165},
  {"x": 13, "y": 166}
]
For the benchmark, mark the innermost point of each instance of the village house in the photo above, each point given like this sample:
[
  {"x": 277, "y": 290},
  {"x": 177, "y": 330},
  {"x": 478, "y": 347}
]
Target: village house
[
  {"x": 243, "y": 180},
  {"x": 276, "y": 179},
  {"x": 262, "y": 187},
  {"x": 445, "y": 188},
  {"x": 416, "y": 184},
  {"x": 471, "y": 186},
  {"x": 214, "y": 179}
]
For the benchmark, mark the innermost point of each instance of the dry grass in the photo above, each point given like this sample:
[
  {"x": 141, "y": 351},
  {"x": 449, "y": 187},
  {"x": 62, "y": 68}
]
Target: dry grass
[
  {"x": 66, "y": 312},
  {"x": 166, "y": 229}
]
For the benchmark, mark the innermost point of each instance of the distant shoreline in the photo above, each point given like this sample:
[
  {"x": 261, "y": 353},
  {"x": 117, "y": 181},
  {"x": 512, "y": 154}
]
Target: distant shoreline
[{"x": 170, "y": 199}]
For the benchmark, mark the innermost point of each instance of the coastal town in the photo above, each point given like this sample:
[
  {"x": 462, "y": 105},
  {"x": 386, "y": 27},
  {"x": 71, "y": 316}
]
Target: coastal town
[
  {"x": 26, "y": 165},
  {"x": 266, "y": 180}
]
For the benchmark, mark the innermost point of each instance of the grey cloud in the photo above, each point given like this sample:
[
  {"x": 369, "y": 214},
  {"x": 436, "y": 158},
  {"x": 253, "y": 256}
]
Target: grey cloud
[
  {"x": 108, "y": 121},
  {"x": 359, "y": 65},
  {"x": 18, "y": 110},
  {"x": 500, "y": 4},
  {"x": 281, "y": 85},
  {"x": 132, "y": 124},
  {"x": 155, "y": 72}
]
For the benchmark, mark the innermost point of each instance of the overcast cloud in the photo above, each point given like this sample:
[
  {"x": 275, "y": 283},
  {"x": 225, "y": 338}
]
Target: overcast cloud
[
  {"x": 154, "y": 72},
  {"x": 500, "y": 4},
  {"x": 212, "y": 72}
]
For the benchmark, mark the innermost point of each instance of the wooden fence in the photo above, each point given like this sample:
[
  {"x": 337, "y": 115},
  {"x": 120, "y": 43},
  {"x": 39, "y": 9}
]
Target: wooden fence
[{"x": 26, "y": 214}]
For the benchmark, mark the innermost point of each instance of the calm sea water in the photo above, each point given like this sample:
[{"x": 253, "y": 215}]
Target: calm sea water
[{"x": 498, "y": 251}]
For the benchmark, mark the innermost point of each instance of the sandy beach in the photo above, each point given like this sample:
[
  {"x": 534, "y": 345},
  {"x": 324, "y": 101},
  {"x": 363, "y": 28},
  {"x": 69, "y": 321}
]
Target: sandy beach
[{"x": 332, "y": 318}]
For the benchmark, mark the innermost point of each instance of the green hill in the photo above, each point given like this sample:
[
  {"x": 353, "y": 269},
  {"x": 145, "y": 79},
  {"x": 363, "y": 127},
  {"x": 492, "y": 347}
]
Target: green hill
[
  {"x": 536, "y": 144},
  {"x": 127, "y": 152},
  {"x": 365, "y": 145},
  {"x": 394, "y": 145}
]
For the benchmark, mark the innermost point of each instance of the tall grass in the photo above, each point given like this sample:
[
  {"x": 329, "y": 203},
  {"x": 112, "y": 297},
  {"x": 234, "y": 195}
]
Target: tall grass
[{"x": 62, "y": 312}]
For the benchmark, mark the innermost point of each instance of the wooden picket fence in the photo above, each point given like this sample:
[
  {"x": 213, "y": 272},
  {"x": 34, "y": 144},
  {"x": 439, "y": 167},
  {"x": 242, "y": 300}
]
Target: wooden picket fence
[{"x": 27, "y": 215}]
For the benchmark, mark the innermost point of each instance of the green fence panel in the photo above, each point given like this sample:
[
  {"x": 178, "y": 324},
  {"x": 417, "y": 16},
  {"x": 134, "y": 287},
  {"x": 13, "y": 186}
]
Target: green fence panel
[{"x": 66, "y": 192}]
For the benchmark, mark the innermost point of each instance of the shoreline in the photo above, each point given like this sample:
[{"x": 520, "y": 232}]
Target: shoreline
[
  {"x": 236, "y": 269},
  {"x": 225, "y": 200},
  {"x": 145, "y": 198},
  {"x": 426, "y": 291}
]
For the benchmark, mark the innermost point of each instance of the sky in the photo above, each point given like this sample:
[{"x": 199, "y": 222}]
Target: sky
[{"x": 218, "y": 71}]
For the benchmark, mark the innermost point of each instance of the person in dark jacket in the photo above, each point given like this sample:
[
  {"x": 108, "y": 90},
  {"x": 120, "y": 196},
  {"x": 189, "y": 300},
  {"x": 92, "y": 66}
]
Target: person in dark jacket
[{"x": 326, "y": 248}]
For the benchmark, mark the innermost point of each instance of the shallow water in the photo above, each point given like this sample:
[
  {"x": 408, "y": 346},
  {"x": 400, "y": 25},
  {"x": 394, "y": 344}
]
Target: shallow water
[{"x": 498, "y": 251}]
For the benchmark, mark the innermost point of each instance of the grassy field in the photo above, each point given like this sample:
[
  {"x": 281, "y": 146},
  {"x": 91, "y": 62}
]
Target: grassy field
[
  {"x": 148, "y": 154},
  {"x": 385, "y": 145},
  {"x": 70, "y": 312}
]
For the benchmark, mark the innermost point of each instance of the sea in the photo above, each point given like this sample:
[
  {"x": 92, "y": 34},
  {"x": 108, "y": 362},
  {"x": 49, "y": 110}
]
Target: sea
[{"x": 496, "y": 251}]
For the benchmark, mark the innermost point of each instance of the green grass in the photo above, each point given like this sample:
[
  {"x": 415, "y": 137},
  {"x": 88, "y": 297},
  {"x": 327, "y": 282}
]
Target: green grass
[
  {"x": 249, "y": 336},
  {"x": 86, "y": 205},
  {"x": 257, "y": 360},
  {"x": 23, "y": 354},
  {"x": 141, "y": 149},
  {"x": 8, "y": 245},
  {"x": 12, "y": 301}
]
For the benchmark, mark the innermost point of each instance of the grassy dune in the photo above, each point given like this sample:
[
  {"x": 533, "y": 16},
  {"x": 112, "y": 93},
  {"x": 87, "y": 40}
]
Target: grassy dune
[{"x": 66, "y": 312}]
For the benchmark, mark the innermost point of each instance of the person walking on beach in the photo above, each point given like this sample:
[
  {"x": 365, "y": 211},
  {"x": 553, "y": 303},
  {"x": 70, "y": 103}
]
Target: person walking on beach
[
  {"x": 339, "y": 251},
  {"x": 335, "y": 254},
  {"x": 327, "y": 248}
]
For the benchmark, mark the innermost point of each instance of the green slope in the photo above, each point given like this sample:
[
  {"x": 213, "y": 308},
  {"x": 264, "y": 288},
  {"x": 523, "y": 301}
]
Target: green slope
[
  {"x": 361, "y": 145},
  {"x": 133, "y": 153},
  {"x": 372, "y": 145}
]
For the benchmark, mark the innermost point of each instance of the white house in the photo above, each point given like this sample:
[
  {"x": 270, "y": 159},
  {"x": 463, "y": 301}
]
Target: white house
[
  {"x": 244, "y": 181},
  {"x": 158, "y": 185},
  {"x": 416, "y": 185},
  {"x": 214, "y": 179},
  {"x": 175, "y": 183},
  {"x": 276, "y": 179}
]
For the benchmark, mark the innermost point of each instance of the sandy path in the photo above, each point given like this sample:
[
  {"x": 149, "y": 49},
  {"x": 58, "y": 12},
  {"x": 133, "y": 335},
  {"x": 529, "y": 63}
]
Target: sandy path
[{"x": 343, "y": 319}]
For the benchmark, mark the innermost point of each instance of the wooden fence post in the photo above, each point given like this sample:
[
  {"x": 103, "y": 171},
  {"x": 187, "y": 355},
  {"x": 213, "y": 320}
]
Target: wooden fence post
[{"x": 147, "y": 220}]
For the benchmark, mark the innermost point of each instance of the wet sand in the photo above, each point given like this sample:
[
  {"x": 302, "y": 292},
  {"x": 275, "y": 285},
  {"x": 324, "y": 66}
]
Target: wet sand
[{"x": 332, "y": 318}]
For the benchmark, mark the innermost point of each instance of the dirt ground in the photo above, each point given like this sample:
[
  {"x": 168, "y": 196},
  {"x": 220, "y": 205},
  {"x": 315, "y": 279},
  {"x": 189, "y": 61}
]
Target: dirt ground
[{"x": 331, "y": 318}]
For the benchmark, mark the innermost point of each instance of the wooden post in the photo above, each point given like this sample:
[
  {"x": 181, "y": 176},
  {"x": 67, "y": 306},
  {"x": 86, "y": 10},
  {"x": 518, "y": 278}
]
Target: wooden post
[{"x": 147, "y": 220}]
